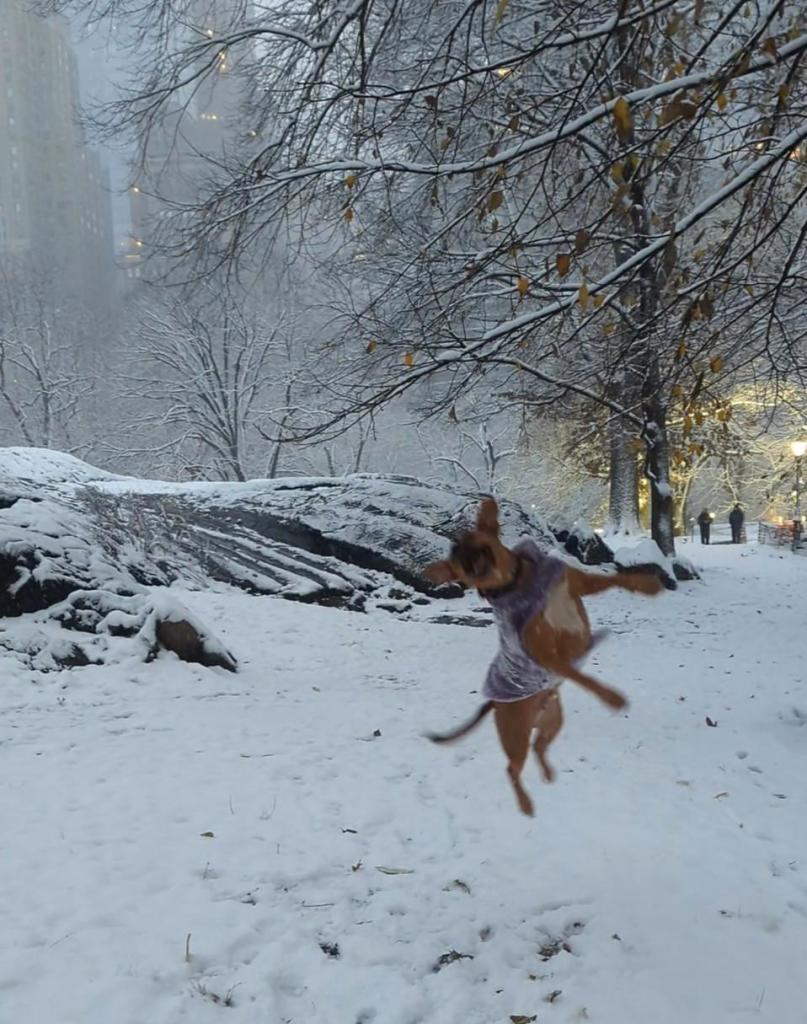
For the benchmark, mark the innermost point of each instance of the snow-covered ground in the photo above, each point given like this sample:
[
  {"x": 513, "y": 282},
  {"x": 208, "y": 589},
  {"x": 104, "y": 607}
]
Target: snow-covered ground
[{"x": 282, "y": 845}]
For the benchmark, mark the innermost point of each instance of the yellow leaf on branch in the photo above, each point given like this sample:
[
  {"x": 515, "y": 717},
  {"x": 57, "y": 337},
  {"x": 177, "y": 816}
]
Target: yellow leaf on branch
[
  {"x": 409, "y": 360},
  {"x": 769, "y": 47},
  {"x": 581, "y": 240},
  {"x": 623, "y": 119},
  {"x": 523, "y": 285},
  {"x": 501, "y": 8},
  {"x": 563, "y": 261}
]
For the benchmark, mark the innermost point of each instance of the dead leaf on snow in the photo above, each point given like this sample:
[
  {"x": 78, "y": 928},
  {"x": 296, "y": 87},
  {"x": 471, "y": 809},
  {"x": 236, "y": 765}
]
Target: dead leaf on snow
[{"x": 458, "y": 884}]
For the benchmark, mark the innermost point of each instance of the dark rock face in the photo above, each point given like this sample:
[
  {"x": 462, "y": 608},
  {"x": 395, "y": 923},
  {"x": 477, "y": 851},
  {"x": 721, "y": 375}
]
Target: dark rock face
[
  {"x": 189, "y": 644},
  {"x": 376, "y": 524},
  {"x": 79, "y": 551},
  {"x": 651, "y": 569},
  {"x": 20, "y": 589},
  {"x": 84, "y": 547},
  {"x": 73, "y": 657},
  {"x": 684, "y": 570},
  {"x": 585, "y": 545}
]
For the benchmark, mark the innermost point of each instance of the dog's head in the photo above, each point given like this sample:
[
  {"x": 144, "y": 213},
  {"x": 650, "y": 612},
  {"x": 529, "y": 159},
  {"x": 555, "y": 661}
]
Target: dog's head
[{"x": 478, "y": 558}]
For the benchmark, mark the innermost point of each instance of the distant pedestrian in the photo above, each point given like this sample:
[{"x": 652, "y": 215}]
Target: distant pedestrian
[
  {"x": 736, "y": 520},
  {"x": 705, "y": 523}
]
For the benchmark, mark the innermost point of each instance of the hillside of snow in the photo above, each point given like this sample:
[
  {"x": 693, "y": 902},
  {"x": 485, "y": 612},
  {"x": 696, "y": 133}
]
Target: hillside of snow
[{"x": 282, "y": 846}]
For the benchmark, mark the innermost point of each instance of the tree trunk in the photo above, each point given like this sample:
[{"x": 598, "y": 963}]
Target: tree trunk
[
  {"x": 623, "y": 493},
  {"x": 657, "y": 470},
  {"x": 683, "y": 506},
  {"x": 682, "y": 524}
]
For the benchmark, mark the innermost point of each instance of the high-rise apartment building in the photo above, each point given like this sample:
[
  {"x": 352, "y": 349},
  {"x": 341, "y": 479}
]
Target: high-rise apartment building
[
  {"x": 195, "y": 134},
  {"x": 55, "y": 216}
]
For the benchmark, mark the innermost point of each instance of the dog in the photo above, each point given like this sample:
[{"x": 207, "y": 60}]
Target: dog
[{"x": 544, "y": 633}]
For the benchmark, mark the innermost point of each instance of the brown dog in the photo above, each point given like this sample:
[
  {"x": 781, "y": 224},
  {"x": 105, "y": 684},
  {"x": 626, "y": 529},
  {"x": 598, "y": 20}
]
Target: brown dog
[{"x": 544, "y": 632}]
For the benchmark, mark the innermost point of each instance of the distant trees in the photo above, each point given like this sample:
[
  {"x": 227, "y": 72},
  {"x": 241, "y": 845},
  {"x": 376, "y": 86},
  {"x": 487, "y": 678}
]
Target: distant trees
[
  {"x": 594, "y": 206},
  {"x": 199, "y": 374},
  {"x": 46, "y": 348}
]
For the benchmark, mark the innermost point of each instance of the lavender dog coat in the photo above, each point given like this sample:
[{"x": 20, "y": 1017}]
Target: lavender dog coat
[{"x": 513, "y": 675}]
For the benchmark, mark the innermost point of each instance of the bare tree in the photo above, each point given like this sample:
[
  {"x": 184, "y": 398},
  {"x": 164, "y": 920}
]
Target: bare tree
[
  {"x": 43, "y": 385},
  {"x": 600, "y": 199},
  {"x": 201, "y": 375},
  {"x": 475, "y": 454}
]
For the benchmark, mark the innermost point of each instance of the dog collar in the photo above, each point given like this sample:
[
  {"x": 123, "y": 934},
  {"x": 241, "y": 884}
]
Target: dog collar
[{"x": 506, "y": 588}]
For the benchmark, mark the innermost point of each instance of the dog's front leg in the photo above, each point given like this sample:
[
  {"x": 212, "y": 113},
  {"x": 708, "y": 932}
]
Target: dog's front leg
[{"x": 583, "y": 584}]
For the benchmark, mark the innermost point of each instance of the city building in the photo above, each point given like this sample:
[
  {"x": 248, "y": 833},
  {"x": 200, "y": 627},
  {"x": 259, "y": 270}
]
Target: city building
[
  {"x": 55, "y": 214},
  {"x": 189, "y": 146}
]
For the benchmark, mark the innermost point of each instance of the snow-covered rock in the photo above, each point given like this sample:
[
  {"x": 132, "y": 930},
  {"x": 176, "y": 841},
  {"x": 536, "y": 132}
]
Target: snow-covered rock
[
  {"x": 646, "y": 556},
  {"x": 584, "y": 543},
  {"x": 344, "y": 542}
]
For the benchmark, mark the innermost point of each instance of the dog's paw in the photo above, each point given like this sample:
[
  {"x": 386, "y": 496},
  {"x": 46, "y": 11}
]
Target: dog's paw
[
  {"x": 526, "y": 806},
  {"x": 615, "y": 700},
  {"x": 644, "y": 583}
]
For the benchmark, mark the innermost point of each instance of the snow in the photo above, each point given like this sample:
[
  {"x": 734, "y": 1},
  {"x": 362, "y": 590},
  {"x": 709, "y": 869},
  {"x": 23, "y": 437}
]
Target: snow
[
  {"x": 176, "y": 835},
  {"x": 43, "y": 465},
  {"x": 646, "y": 552}
]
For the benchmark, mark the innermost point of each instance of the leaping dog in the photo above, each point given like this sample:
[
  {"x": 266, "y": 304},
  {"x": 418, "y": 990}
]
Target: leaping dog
[{"x": 544, "y": 632}]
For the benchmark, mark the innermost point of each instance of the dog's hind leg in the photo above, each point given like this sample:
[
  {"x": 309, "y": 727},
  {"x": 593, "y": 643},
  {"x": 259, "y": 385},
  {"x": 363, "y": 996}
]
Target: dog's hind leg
[
  {"x": 514, "y": 724},
  {"x": 548, "y": 722}
]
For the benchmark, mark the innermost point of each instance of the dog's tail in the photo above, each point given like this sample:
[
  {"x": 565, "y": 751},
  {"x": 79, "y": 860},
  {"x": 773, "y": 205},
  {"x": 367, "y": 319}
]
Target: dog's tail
[{"x": 457, "y": 734}]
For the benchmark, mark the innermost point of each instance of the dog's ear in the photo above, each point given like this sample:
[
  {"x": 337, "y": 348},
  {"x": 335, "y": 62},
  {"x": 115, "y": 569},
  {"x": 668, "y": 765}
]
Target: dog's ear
[
  {"x": 487, "y": 519},
  {"x": 440, "y": 572}
]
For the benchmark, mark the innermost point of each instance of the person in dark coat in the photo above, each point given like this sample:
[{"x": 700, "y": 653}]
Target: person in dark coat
[
  {"x": 705, "y": 523},
  {"x": 736, "y": 520}
]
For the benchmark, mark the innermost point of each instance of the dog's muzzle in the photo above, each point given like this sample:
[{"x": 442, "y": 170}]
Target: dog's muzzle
[{"x": 475, "y": 562}]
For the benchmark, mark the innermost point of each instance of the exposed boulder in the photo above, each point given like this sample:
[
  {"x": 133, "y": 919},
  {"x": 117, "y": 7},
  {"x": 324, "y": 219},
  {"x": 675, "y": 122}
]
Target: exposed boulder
[
  {"x": 646, "y": 557},
  {"x": 89, "y": 548},
  {"x": 684, "y": 570},
  {"x": 174, "y": 629},
  {"x": 584, "y": 544}
]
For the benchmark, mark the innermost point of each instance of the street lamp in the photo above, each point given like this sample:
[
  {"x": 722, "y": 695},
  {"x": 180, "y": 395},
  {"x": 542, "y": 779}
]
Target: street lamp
[{"x": 798, "y": 448}]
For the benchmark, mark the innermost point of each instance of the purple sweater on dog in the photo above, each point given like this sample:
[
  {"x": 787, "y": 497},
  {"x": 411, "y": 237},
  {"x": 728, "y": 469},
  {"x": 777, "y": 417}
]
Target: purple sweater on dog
[{"x": 513, "y": 675}]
